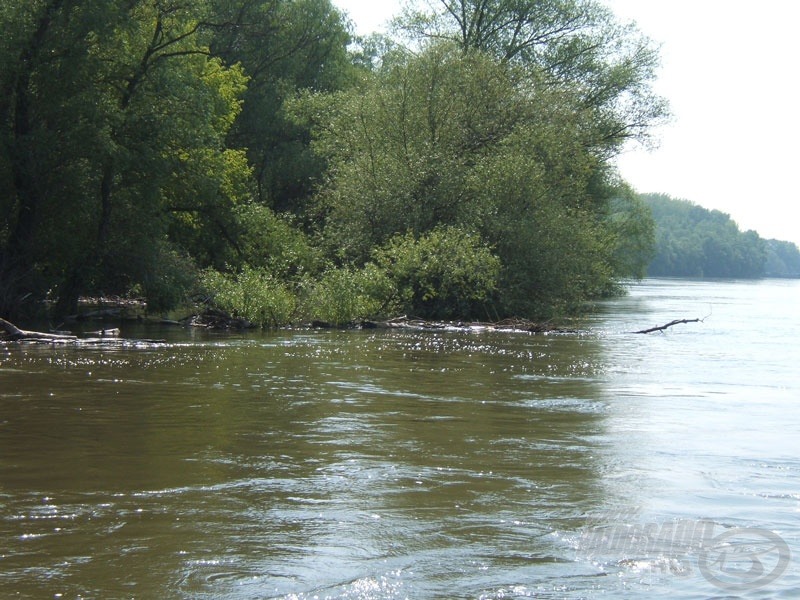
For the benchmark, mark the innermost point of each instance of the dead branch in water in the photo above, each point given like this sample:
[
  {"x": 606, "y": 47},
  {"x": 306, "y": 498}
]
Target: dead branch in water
[
  {"x": 15, "y": 333},
  {"x": 670, "y": 324},
  {"x": 104, "y": 336}
]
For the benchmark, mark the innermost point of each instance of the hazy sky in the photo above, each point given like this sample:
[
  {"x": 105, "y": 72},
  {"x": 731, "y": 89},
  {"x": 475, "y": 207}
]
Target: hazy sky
[{"x": 729, "y": 71}]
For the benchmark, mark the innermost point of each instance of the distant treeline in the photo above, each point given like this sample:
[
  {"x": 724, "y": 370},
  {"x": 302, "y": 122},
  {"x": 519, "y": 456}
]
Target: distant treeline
[{"x": 692, "y": 241}]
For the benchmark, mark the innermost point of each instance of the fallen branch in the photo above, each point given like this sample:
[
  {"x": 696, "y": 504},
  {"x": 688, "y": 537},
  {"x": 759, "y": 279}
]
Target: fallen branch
[
  {"x": 668, "y": 325},
  {"x": 15, "y": 333},
  {"x": 103, "y": 336}
]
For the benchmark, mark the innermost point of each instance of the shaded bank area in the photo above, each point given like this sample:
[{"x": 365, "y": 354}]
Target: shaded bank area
[
  {"x": 221, "y": 322},
  {"x": 78, "y": 328}
]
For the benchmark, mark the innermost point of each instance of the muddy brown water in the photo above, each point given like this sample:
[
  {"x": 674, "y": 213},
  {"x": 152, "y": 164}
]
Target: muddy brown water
[{"x": 407, "y": 464}]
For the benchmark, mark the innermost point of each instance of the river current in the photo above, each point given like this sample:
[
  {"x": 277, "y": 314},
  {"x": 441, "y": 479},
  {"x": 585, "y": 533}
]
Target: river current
[{"x": 415, "y": 464}]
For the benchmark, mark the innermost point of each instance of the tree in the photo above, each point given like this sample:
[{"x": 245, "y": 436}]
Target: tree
[
  {"x": 633, "y": 227},
  {"x": 446, "y": 273},
  {"x": 115, "y": 134},
  {"x": 464, "y": 140},
  {"x": 283, "y": 46},
  {"x": 542, "y": 219},
  {"x": 783, "y": 259},
  {"x": 509, "y": 29},
  {"x": 24, "y": 52},
  {"x": 574, "y": 43},
  {"x": 400, "y": 147},
  {"x": 146, "y": 140},
  {"x": 692, "y": 241}
]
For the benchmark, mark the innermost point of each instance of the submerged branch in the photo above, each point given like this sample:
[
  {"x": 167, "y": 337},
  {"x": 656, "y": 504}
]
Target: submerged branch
[{"x": 670, "y": 324}]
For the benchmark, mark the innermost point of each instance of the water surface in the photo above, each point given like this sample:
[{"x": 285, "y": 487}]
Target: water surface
[{"x": 402, "y": 464}]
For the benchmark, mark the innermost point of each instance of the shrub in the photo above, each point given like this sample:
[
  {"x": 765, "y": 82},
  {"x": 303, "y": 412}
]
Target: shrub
[
  {"x": 273, "y": 242},
  {"x": 445, "y": 273},
  {"x": 253, "y": 294},
  {"x": 343, "y": 295},
  {"x": 170, "y": 280}
]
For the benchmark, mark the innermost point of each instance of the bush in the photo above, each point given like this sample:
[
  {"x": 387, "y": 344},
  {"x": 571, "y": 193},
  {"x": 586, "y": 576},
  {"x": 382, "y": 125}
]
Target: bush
[
  {"x": 345, "y": 295},
  {"x": 272, "y": 242},
  {"x": 446, "y": 273},
  {"x": 170, "y": 280},
  {"x": 252, "y": 294}
]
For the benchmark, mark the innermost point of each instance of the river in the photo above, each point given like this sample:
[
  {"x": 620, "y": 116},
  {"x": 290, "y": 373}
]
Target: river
[{"x": 408, "y": 464}]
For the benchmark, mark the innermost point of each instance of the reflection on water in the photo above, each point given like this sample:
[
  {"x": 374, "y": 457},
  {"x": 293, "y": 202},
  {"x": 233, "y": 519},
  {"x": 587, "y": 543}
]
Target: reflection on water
[{"x": 403, "y": 464}]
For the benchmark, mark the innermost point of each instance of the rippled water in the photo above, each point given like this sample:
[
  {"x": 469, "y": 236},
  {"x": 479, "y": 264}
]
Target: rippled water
[{"x": 400, "y": 464}]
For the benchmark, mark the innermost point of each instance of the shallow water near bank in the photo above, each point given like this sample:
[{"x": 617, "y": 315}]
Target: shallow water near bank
[{"x": 407, "y": 464}]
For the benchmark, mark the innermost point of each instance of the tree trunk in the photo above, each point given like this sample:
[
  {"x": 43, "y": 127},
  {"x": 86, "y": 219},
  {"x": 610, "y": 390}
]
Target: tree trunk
[
  {"x": 18, "y": 260},
  {"x": 68, "y": 295}
]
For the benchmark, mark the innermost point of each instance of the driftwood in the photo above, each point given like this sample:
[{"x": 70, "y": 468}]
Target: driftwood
[
  {"x": 15, "y": 333},
  {"x": 668, "y": 325},
  {"x": 103, "y": 336},
  {"x": 212, "y": 318},
  {"x": 509, "y": 325},
  {"x": 105, "y": 333}
]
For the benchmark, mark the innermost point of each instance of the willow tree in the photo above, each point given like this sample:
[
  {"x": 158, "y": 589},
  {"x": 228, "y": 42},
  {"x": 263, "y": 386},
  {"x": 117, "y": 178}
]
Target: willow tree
[
  {"x": 400, "y": 145},
  {"x": 568, "y": 43},
  {"x": 513, "y": 147},
  {"x": 600, "y": 68}
]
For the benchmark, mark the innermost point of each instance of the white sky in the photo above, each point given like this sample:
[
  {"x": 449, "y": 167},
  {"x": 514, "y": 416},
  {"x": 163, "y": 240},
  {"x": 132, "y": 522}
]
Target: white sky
[{"x": 730, "y": 72}]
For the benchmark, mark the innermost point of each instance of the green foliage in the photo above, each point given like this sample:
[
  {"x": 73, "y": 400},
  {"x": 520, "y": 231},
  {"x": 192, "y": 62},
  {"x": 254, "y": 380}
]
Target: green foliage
[
  {"x": 448, "y": 138},
  {"x": 783, "y": 259},
  {"x": 344, "y": 295},
  {"x": 447, "y": 272},
  {"x": 170, "y": 279},
  {"x": 544, "y": 217},
  {"x": 568, "y": 43},
  {"x": 394, "y": 146},
  {"x": 283, "y": 46},
  {"x": 554, "y": 259},
  {"x": 252, "y": 294},
  {"x": 631, "y": 223},
  {"x": 271, "y": 241},
  {"x": 115, "y": 129},
  {"x": 692, "y": 241},
  {"x": 143, "y": 141}
]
